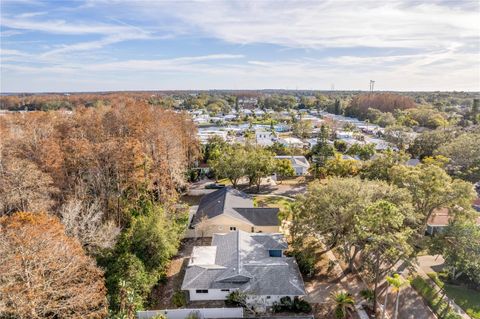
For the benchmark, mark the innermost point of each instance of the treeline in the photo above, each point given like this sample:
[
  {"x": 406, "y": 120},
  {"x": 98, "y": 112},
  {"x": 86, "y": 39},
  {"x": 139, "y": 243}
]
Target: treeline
[{"x": 110, "y": 175}]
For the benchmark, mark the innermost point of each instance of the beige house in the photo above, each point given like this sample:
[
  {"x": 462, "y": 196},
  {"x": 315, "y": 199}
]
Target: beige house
[{"x": 227, "y": 210}]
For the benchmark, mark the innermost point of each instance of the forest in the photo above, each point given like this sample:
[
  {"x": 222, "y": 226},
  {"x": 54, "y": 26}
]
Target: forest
[{"x": 97, "y": 187}]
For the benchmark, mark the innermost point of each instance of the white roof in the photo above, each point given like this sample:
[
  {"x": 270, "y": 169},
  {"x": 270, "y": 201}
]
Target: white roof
[{"x": 203, "y": 255}]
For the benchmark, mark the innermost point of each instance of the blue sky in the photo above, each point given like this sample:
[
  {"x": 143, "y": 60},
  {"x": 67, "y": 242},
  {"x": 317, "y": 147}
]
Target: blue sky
[{"x": 159, "y": 45}]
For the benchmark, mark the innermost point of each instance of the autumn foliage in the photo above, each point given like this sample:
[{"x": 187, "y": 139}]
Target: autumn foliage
[
  {"x": 385, "y": 102},
  {"x": 113, "y": 153},
  {"x": 44, "y": 273}
]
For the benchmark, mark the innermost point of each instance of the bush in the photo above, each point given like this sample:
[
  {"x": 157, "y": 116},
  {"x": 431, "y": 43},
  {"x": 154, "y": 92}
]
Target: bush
[
  {"x": 287, "y": 305},
  {"x": 306, "y": 261},
  {"x": 300, "y": 305},
  {"x": 179, "y": 299},
  {"x": 236, "y": 298}
]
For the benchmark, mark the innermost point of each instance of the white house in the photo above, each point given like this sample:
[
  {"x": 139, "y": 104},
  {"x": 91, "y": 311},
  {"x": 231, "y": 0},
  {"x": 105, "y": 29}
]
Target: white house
[
  {"x": 264, "y": 138},
  {"x": 291, "y": 142},
  {"x": 253, "y": 263},
  {"x": 299, "y": 163}
]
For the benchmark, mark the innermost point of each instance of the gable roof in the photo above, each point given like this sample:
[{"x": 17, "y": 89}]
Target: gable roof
[
  {"x": 236, "y": 204},
  {"x": 243, "y": 262},
  {"x": 260, "y": 216}
]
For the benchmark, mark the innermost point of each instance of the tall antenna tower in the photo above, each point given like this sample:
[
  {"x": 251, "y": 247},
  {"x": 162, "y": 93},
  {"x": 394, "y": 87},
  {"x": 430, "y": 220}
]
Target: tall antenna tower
[{"x": 372, "y": 84}]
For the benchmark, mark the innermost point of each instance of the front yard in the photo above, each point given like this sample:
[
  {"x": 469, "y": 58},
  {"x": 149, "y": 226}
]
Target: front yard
[{"x": 281, "y": 202}]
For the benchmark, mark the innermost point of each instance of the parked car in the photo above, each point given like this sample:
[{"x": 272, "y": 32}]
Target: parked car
[{"x": 214, "y": 186}]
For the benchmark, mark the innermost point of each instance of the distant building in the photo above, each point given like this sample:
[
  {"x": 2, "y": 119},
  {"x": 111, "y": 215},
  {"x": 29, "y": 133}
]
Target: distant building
[
  {"x": 264, "y": 138},
  {"x": 291, "y": 142},
  {"x": 299, "y": 163}
]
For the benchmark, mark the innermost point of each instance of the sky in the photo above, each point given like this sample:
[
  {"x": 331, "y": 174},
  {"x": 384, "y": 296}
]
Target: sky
[{"x": 105, "y": 45}]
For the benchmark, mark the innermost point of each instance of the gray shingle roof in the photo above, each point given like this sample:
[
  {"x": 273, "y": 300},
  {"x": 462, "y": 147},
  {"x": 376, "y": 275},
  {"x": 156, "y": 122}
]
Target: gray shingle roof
[
  {"x": 260, "y": 216},
  {"x": 236, "y": 204},
  {"x": 243, "y": 262}
]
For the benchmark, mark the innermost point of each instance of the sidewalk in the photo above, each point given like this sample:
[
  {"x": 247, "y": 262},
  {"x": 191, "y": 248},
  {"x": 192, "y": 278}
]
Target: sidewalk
[{"x": 454, "y": 306}]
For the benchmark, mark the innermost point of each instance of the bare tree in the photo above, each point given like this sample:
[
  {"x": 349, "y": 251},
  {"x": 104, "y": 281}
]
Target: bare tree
[
  {"x": 85, "y": 221},
  {"x": 44, "y": 273},
  {"x": 202, "y": 227}
]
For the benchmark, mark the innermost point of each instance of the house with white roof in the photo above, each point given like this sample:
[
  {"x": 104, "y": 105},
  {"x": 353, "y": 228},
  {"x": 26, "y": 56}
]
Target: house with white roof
[
  {"x": 264, "y": 138},
  {"x": 299, "y": 163},
  {"x": 253, "y": 263}
]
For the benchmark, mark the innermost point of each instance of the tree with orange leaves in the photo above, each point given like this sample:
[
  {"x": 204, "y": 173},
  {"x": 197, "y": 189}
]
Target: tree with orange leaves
[{"x": 44, "y": 273}]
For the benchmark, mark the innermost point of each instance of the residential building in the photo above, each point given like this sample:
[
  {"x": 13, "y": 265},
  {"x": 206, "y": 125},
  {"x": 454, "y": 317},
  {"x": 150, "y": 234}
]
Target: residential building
[
  {"x": 440, "y": 219},
  {"x": 229, "y": 209},
  {"x": 264, "y": 138},
  {"x": 299, "y": 163},
  {"x": 252, "y": 263}
]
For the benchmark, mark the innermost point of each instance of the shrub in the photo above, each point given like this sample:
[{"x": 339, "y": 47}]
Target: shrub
[
  {"x": 300, "y": 305},
  {"x": 287, "y": 305},
  {"x": 306, "y": 261},
  {"x": 179, "y": 299},
  {"x": 236, "y": 298}
]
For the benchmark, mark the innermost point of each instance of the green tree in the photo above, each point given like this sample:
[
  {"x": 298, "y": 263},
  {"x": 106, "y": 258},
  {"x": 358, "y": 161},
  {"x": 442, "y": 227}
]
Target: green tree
[
  {"x": 460, "y": 246},
  {"x": 386, "y": 233},
  {"x": 432, "y": 188},
  {"x": 302, "y": 129},
  {"x": 322, "y": 150},
  {"x": 284, "y": 168},
  {"x": 379, "y": 168},
  {"x": 464, "y": 155},
  {"x": 231, "y": 164},
  {"x": 426, "y": 143},
  {"x": 399, "y": 136},
  {"x": 214, "y": 147},
  {"x": 340, "y": 212},
  {"x": 259, "y": 163},
  {"x": 340, "y": 167},
  {"x": 365, "y": 151}
]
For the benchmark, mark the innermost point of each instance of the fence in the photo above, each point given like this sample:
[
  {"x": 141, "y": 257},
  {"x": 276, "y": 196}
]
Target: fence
[{"x": 202, "y": 312}]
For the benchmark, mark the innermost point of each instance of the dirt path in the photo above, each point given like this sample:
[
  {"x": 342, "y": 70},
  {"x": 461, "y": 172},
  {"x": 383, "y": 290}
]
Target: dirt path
[{"x": 163, "y": 293}]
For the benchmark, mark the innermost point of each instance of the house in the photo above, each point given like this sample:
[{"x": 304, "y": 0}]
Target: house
[
  {"x": 440, "y": 219},
  {"x": 229, "y": 209},
  {"x": 291, "y": 142},
  {"x": 252, "y": 263},
  {"x": 299, "y": 163},
  {"x": 264, "y": 138}
]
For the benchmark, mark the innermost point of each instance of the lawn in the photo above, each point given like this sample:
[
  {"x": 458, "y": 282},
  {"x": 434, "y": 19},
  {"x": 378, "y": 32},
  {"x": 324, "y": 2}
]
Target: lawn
[
  {"x": 274, "y": 201},
  {"x": 432, "y": 296},
  {"x": 466, "y": 298}
]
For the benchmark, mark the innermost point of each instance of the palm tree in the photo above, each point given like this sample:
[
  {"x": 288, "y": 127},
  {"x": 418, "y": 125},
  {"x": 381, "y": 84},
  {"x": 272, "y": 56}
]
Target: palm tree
[
  {"x": 344, "y": 304},
  {"x": 397, "y": 282}
]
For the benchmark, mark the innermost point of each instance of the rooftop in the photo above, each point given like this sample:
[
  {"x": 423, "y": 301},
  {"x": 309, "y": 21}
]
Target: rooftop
[
  {"x": 242, "y": 261},
  {"x": 236, "y": 204}
]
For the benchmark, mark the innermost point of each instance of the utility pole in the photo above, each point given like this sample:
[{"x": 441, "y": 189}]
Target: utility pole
[{"x": 372, "y": 84}]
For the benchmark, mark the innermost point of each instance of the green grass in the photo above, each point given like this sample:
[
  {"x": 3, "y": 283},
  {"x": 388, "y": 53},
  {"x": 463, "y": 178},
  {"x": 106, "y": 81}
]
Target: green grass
[
  {"x": 432, "y": 298},
  {"x": 225, "y": 181},
  {"x": 274, "y": 201},
  {"x": 466, "y": 298}
]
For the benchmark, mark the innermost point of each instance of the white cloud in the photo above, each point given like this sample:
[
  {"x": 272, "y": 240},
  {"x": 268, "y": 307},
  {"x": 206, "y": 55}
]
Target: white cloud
[{"x": 430, "y": 45}]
